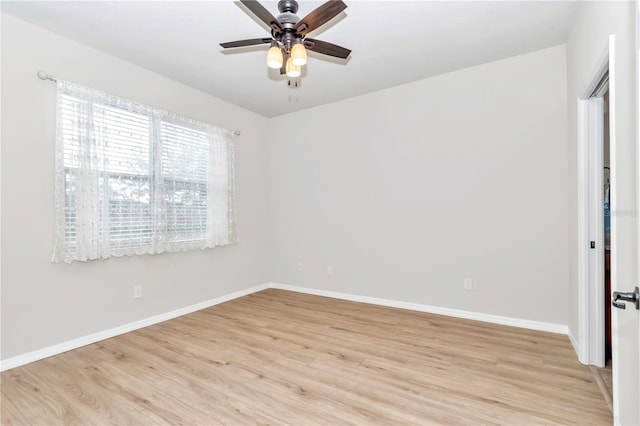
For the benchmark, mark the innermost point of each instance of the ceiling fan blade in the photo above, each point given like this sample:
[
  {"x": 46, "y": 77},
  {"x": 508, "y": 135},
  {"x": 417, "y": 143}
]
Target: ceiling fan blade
[
  {"x": 320, "y": 16},
  {"x": 248, "y": 42},
  {"x": 263, "y": 14},
  {"x": 325, "y": 48}
]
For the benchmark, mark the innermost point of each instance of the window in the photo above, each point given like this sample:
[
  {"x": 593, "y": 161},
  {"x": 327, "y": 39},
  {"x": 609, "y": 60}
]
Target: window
[{"x": 131, "y": 179}]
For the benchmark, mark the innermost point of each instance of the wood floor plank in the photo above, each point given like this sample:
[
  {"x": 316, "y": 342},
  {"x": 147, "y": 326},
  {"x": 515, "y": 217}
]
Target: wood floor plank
[
  {"x": 138, "y": 391},
  {"x": 98, "y": 405},
  {"x": 37, "y": 402},
  {"x": 278, "y": 357},
  {"x": 9, "y": 414},
  {"x": 604, "y": 380},
  {"x": 182, "y": 373},
  {"x": 241, "y": 373}
]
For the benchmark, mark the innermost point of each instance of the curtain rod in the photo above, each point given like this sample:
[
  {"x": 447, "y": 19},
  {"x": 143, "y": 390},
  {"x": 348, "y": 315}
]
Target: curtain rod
[{"x": 45, "y": 76}]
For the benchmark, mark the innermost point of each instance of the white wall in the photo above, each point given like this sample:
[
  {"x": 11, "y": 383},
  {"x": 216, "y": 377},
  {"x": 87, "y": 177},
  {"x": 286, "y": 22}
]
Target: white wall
[
  {"x": 45, "y": 303},
  {"x": 407, "y": 191},
  {"x": 593, "y": 24}
]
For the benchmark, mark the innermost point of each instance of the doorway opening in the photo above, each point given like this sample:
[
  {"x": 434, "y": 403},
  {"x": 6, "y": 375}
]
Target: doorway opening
[
  {"x": 597, "y": 251},
  {"x": 597, "y": 254},
  {"x": 606, "y": 196},
  {"x": 605, "y": 373}
]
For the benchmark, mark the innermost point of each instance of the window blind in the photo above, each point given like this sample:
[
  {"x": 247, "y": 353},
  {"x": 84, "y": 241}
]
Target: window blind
[{"x": 131, "y": 179}]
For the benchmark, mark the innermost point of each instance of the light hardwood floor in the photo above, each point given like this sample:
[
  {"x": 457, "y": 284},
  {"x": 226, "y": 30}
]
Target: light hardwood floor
[
  {"x": 604, "y": 379},
  {"x": 280, "y": 357}
]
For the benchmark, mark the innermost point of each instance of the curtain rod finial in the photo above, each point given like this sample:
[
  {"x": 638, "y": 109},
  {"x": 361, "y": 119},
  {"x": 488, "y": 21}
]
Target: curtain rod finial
[{"x": 45, "y": 76}]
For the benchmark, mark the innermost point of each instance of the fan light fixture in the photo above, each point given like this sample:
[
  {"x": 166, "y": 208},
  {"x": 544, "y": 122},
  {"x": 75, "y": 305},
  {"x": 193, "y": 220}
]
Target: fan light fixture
[
  {"x": 293, "y": 70},
  {"x": 274, "y": 57},
  {"x": 299, "y": 54}
]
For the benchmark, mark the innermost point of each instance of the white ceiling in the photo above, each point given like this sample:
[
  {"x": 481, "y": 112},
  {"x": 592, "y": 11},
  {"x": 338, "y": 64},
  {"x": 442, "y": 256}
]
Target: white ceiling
[{"x": 393, "y": 42}]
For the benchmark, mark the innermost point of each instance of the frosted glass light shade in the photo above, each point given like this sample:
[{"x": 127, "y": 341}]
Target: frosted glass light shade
[
  {"x": 299, "y": 54},
  {"x": 274, "y": 57},
  {"x": 293, "y": 70}
]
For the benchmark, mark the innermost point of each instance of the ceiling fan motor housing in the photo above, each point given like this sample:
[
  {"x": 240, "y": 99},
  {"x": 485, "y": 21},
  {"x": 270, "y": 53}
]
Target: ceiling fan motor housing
[
  {"x": 288, "y": 20},
  {"x": 288, "y": 6}
]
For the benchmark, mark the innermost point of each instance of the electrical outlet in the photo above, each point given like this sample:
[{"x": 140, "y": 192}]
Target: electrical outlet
[
  {"x": 468, "y": 284},
  {"x": 300, "y": 267},
  {"x": 137, "y": 292},
  {"x": 329, "y": 270}
]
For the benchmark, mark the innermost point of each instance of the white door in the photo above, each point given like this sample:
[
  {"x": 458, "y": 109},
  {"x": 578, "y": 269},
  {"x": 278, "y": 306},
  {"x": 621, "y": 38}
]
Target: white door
[
  {"x": 626, "y": 322},
  {"x": 626, "y": 353},
  {"x": 595, "y": 152}
]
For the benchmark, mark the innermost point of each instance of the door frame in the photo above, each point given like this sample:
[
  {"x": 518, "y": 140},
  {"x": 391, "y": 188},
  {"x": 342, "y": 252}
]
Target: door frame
[
  {"x": 637, "y": 64},
  {"x": 591, "y": 295}
]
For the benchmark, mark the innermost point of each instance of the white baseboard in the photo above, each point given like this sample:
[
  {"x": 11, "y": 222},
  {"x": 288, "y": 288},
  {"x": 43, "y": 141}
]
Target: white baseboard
[
  {"x": 36, "y": 355},
  {"x": 575, "y": 344},
  {"x": 106, "y": 334},
  {"x": 495, "y": 319}
]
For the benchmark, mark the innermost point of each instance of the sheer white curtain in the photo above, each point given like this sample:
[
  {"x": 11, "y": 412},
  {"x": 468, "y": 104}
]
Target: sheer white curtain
[{"x": 132, "y": 179}]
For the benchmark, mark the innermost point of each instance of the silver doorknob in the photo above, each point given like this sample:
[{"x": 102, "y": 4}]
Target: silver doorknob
[{"x": 633, "y": 297}]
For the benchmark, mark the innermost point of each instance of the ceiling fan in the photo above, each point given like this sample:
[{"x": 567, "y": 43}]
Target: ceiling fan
[{"x": 289, "y": 41}]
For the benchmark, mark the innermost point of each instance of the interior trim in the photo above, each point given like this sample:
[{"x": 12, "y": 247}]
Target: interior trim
[
  {"x": 39, "y": 354},
  {"x": 458, "y": 313}
]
